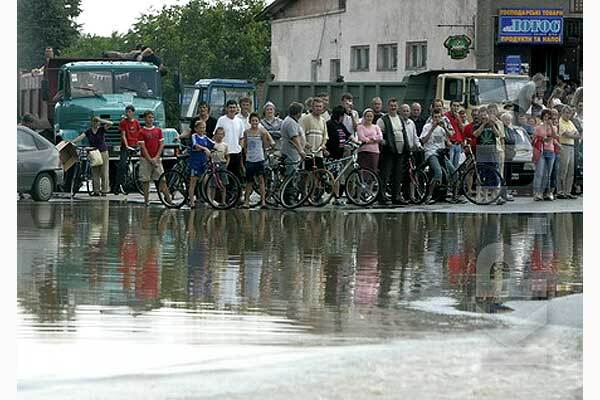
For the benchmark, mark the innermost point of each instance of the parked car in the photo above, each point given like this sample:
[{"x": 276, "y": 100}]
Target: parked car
[
  {"x": 39, "y": 170},
  {"x": 521, "y": 167}
]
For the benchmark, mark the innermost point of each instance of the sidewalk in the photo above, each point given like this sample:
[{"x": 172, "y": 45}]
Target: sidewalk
[{"x": 522, "y": 205}]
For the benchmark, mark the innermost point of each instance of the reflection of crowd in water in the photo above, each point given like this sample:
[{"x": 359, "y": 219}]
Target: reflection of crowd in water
[{"x": 304, "y": 264}]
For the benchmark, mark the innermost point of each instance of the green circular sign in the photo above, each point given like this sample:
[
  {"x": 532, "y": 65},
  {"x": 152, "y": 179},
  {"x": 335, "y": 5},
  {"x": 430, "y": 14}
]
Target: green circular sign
[{"x": 458, "y": 46}]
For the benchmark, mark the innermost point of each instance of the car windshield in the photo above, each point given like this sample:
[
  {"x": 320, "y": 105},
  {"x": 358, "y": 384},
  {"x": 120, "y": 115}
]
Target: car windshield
[
  {"x": 143, "y": 83},
  {"x": 491, "y": 90}
]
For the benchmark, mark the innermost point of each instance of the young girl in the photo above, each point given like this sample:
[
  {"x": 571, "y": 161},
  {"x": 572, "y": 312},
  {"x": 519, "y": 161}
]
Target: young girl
[
  {"x": 221, "y": 157},
  {"x": 199, "y": 152},
  {"x": 254, "y": 142}
]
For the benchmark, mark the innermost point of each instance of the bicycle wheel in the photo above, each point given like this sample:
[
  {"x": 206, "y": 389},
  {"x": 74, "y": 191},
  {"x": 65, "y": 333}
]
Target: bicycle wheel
[
  {"x": 176, "y": 185},
  {"x": 139, "y": 187},
  {"x": 295, "y": 189},
  {"x": 200, "y": 188},
  {"x": 418, "y": 187},
  {"x": 322, "y": 188},
  {"x": 76, "y": 180},
  {"x": 271, "y": 187},
  {"x": 482, "y": 184},
  {"x": 223, "y": 189},
  {"x": 362, "y": 187}
]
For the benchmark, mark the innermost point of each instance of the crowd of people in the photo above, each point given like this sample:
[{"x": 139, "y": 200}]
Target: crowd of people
[{"x": 240, "y": 140}]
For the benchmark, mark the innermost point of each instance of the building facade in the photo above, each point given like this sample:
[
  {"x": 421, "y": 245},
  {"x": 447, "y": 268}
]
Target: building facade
[
  {"x": 552, "y": 53},
  {"x": 376, "y": 40}
]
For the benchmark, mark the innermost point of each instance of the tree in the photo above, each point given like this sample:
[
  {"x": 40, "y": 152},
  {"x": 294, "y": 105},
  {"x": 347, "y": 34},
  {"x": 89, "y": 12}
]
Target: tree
[
  {"x": 92, "y": 45},
  {"x": 44, "y": 23}
]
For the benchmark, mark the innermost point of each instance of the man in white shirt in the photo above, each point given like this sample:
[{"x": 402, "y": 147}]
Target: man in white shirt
[
  {"x": 245, "y": 106},
  {"x": 234, "y": 131},
  {"x": 351, "y": 118},
  {"x": 434, "y": 138}
]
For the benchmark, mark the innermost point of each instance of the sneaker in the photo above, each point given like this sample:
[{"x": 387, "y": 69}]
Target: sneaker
[
  {"x": 509, "y": 197},
  {"x": 572, "y": 196},
  {"x": 500, "y": 201},
  {"x": 214, "y": 203},
  {"x": 550, "y": 197},
  {"x": 339, "y": 202},
  {"x": 538, "y": 197}
]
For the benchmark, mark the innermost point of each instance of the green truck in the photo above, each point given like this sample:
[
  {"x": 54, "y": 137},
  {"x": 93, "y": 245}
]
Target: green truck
[
  {"x": 70, "y": 91},
  {"x": 474, "y": 88}
]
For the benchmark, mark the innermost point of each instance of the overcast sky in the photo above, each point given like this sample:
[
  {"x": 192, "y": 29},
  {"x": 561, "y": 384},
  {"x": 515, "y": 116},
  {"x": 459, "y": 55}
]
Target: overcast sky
[{"x": 102, "y": 17}]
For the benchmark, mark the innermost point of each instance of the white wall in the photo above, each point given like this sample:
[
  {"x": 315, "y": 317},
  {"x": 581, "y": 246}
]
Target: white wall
[{"x": 296, "y": 42}]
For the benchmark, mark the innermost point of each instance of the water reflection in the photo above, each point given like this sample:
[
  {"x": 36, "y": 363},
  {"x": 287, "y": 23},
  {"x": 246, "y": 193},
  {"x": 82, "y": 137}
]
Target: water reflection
[{"x": 332, "y": 272}]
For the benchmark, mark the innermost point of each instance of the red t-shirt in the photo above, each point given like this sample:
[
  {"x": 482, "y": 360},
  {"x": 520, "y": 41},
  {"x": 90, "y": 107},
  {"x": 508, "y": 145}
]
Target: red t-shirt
[
  {"x": 468, "y": 135},
  {"x": 131, "y": 129},
  {"x": 151, "y": 137},
  {"x": 458, "y": 133}
]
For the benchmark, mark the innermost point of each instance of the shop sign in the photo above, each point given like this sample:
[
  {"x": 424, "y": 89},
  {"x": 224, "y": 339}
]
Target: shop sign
[
  {"x": 512, "y": 65},
  {"x": 458, "y": 46},
  {"x": 530, "y": 26}
]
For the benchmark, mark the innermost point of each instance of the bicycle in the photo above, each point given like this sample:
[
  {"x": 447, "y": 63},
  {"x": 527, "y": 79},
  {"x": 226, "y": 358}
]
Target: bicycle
[
  {"x": 131, "y": 180},
  {"x": 296, "y": 188},
  {"x": 82, "y": 171},
  {"x": 474, "y": 181},
  {"x": 323, "y": 182},
  {"x": 226, "y": 186},
  {"x": 361, "y": 185}
]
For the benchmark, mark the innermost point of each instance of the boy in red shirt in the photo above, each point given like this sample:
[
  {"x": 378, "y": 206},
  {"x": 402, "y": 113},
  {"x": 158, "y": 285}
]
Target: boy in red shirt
[
  {"x": 151, "y": 142},
  {"x": 129, "y": 128}
]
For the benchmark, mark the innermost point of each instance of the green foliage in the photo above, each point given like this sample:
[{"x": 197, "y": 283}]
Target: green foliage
[
  {"x": 93, "y": 46},
  {"x": 44, "y": 23}
]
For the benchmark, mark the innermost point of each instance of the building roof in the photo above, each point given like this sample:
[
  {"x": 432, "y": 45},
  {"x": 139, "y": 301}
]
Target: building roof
[{"x": 273, "y": 9}]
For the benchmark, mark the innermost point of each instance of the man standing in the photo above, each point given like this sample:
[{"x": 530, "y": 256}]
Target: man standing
[
  {"x": 494, "y": 117},
  {"x": 325, "y": 99},
  {"x": 415, "y": 116},
  {"x": 129, "y": 128},
  {"x": 528, "y": 93},
  {"x": 291, "y": 138},
  {"x": 398, "y": 138},
  {"x": 234, "y": 128},
  {"x": 315, "y": 130},
  {"x": 457, "y": 137},
  {"x": 377, "y": 106},
  {"x": 245, "y": 105},
  {"x": 351, "y": 119},
  {"x": 567, "y": 133},
  {"x": 151, "y": 142}
]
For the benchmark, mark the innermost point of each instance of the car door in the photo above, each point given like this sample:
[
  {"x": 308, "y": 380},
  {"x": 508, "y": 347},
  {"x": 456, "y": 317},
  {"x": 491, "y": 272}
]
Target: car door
[{"x": 27, "y": 160}]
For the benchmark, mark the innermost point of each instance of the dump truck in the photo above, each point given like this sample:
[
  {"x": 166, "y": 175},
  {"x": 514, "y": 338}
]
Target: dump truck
[{"x": 473, "y": 88}]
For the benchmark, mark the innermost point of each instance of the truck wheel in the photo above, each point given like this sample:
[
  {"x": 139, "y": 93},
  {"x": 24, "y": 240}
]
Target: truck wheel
[{"x": 42, "y": 187}]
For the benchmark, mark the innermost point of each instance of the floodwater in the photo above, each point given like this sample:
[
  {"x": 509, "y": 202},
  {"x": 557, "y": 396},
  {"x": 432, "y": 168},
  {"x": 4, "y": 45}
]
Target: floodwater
[{"x": 122, "y": 301}]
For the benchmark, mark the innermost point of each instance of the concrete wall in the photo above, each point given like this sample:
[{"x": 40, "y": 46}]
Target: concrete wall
[
  {"x": 301, "y": 8},
  {"x": 296, "y": 41}
]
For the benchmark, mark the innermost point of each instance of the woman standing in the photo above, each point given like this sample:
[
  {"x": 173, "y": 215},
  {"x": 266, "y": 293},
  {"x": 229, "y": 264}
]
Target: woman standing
[
  {"x": 370, "y": 135},
  {"x": 543, "y": 168},
  {"x": 96, "y": 136},
  {"x": 272, "y": 123}
]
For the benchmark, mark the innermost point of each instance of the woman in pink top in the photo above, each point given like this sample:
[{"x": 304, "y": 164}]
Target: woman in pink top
[
  {"x": 370, "y": 135},
  {"x": 543, "y": 168}
]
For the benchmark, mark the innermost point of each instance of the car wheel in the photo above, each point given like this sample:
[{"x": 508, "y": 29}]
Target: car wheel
[{"x": 42, "y": 187}]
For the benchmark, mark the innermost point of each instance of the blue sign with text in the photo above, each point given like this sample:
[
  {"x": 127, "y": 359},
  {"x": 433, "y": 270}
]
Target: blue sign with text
[
  {"x": 512, "y": 65},
  {"x": 530, "y": 26}
]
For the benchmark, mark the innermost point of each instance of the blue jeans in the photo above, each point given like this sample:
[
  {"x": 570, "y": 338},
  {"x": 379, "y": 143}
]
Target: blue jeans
[
  {"x": 555, "y": 169},
  {"x": 543, "y": 171},
  {"x": 434, "y": 163},
  {"x": 455, "y": 152}
]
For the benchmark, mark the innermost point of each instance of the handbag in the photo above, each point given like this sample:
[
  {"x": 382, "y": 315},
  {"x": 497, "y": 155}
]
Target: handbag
[{"x": 95, "y": 158}]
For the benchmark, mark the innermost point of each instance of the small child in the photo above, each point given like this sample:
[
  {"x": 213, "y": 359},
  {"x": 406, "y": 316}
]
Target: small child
[
  {"x": 221, "y": 158},
  {"x": 199, "y": 152}
]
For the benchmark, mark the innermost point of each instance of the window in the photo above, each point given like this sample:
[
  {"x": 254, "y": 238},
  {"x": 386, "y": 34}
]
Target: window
[
  {"x": 387, "y": 57},
  {"x": 25, "y": 142},
  {"x": 314, "y": 72},
  {"x": 577, "y": 6},
  {"x": 334, "y": 69},
  {"x": 453, "y": 89},
  {"x": 416, "y": 55},
  {"x": 359, "y": 57}
]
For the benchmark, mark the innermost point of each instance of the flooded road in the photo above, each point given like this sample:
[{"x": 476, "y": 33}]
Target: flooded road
[{"x": 120, "y": 301}]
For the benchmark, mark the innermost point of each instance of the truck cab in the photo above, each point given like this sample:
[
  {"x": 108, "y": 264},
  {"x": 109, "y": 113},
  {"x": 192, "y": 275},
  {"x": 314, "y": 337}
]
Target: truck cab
[
  {"x": 479, "y": 89},
  {"x": 104, "y": 88},
  {"x": 216, "y": 92}
]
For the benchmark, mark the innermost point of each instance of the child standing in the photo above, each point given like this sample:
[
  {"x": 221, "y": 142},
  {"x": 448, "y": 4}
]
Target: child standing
[
  {"x": 199, "y": 152},
  {"x": 220, "y": 157},
  {"x": 254, "y": 142}
]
